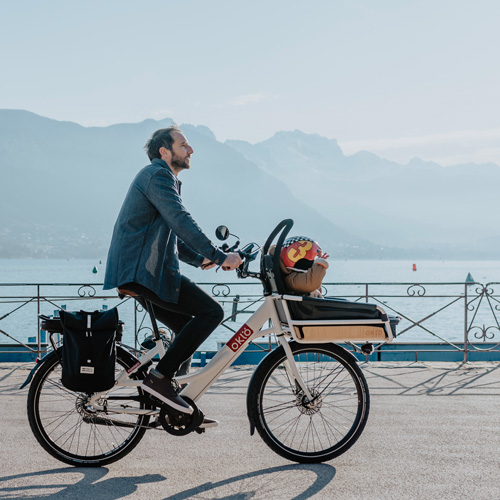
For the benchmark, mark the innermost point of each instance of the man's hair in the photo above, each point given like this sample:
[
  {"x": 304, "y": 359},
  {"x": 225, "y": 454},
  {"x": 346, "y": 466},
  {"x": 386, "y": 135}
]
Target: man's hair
[{"x": 160, "y": 139}]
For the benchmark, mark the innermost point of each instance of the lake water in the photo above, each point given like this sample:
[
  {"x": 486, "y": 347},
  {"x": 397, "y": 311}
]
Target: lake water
[
  {"x": 344, "y": 279},
  {"x": 365, "y": 271}
]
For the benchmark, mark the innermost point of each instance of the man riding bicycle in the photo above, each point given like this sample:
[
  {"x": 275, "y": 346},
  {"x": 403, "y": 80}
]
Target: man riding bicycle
[{"x": 153, "y": 231}]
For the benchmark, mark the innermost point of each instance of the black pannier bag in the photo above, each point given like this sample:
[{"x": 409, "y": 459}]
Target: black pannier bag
[{"x": 89, "y": 350}]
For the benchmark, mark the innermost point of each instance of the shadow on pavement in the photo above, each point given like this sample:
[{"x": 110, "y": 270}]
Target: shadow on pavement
[
  {"x": 60, "y": 483},
  {"x": 462, "y": 379},
  {"x": 273, "y": 483},
  {"x": 293, "y": 482}
]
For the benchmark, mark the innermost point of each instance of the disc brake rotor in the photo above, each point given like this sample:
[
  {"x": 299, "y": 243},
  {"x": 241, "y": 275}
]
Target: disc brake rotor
[{"x": 307, "y": 407}]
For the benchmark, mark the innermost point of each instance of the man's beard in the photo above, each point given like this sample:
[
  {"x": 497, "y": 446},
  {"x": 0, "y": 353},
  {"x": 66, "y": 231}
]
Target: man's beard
[{"x": 180, "y": 163}]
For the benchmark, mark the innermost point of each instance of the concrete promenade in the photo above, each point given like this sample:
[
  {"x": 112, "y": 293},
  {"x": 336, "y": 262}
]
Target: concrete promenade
[{"x": 433, "y": 433}]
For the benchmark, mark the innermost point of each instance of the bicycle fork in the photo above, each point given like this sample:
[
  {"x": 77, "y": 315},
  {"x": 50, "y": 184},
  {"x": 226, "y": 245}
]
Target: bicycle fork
[{"x": 291, "y": 368}]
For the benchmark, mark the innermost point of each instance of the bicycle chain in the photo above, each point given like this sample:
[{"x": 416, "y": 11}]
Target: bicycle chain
[
  {"x": 105, "y": 420},
  {"x": 157, "y": 425}
]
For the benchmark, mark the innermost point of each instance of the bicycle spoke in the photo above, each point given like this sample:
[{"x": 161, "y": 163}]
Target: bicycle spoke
[
  {"x": 292, "y": 431},
  {"x": 280, "y": 406},
  {"x": 275, "y": 417}
]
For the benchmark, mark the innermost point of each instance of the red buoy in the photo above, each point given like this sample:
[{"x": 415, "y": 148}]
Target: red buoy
[{"x": 414, "y": 267}]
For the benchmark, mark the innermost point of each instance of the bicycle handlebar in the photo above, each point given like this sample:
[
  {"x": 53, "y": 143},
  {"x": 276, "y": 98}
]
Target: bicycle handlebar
[{"x": 248, "y": 254}]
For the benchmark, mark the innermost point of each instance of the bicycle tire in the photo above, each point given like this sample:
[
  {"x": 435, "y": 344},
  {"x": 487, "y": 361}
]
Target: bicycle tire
[
  {"x": 302, "y": 431},
  {"x": 64, "y": 427}
]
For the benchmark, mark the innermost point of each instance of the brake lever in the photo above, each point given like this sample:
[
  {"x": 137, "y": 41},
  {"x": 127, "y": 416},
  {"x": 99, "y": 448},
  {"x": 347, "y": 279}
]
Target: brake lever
[{"x": 227, "y": 249}]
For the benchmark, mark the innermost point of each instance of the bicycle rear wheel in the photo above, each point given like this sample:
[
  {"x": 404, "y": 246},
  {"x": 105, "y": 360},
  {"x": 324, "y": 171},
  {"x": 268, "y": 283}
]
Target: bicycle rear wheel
[
  {"x": 309, "y": 431},
  {"x": 72, "y": 431}
]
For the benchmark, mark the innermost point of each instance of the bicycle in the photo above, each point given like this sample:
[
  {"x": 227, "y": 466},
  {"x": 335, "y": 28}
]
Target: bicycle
[{"x": 308, "y": 399}]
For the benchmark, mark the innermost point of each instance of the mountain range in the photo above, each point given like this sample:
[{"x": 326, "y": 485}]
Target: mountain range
[
  {"x": 421, "y": 205},
  {"x": 62, "y": 186}
]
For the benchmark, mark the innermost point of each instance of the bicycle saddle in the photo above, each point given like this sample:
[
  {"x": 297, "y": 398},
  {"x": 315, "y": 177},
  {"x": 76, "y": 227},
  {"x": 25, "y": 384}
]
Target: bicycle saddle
[{"x": 122, "y": 292}]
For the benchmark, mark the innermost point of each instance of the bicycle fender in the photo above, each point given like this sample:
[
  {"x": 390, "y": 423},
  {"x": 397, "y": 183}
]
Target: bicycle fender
[
  {"x": 343, "y": 351},
  {"x": 250, "y": 420},
  {"x": 38, "y": 363}
]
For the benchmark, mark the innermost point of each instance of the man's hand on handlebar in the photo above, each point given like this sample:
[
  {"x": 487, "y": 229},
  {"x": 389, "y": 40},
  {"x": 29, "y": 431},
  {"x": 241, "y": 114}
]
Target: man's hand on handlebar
[{"x": 233, "y": 261}]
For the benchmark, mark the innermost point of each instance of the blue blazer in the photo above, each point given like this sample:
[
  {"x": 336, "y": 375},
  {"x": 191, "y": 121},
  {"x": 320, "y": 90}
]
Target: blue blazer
[{"x": 152, "y": 232}]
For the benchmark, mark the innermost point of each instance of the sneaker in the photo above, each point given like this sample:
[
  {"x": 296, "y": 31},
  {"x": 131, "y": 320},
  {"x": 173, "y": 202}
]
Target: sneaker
[
  {"x": 161, "y": 386},
  {"x": 208, "y": 423}
]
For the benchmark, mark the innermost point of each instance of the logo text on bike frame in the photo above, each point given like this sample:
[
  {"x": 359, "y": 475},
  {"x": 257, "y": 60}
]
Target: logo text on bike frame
[{"x": 239, "y": 338}]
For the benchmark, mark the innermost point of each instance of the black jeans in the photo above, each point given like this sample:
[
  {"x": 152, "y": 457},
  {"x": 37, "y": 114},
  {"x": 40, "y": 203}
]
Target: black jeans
[{"x": 193, "y": 318}]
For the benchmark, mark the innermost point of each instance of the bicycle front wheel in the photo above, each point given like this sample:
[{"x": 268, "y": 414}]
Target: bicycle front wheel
[
  {"x": 303, "y": 430},
  {"x": 71, "y": 430}
]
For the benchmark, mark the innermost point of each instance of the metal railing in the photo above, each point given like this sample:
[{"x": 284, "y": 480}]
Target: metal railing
[{"x": 459, "y": 316}]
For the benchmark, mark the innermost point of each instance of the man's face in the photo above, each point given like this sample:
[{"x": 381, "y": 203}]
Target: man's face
[{"x": 181, "y": 152}]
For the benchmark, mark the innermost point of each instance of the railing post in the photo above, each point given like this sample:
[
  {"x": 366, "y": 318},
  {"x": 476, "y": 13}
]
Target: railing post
[
  {"x": 466, "y": 336},
  {"x": 234, "y": 312},
  {"x": 366, "y": 292},
  {"x": 135, "y": 325},
  {"x": 39, "y": 347}
]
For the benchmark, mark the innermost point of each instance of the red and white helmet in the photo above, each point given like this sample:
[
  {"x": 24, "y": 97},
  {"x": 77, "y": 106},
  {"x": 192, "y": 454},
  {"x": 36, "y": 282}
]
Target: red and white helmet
[{"x": 299, "y": 252}]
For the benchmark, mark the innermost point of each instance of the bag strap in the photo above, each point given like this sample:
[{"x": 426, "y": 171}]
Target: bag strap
[{"x": 88, "y": 331}]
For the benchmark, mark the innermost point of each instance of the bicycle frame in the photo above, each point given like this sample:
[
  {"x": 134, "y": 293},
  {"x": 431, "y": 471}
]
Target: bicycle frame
[
  {"x": 199, "y": 382},
  {"x": 305, "y": 423}
]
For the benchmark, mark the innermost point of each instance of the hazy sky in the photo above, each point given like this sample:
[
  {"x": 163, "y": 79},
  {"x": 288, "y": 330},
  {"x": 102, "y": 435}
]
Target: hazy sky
[{"x": 399, "y": 78}]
